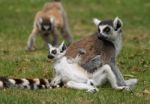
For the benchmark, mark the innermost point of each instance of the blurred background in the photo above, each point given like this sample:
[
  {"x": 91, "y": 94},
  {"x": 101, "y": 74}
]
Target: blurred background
[{"x": 16, "y": 21}]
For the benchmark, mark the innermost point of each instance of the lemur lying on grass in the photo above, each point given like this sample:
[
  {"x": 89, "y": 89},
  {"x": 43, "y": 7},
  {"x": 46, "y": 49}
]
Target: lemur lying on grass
[{"x": 73, "y": 75}]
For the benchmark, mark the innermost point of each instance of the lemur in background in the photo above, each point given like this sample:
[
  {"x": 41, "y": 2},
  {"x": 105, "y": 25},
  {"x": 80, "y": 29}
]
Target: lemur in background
[
  {"x": 48, "y": 22},
  {"x": 106, "y": 43},
  {"x": 70, "y": 72}
]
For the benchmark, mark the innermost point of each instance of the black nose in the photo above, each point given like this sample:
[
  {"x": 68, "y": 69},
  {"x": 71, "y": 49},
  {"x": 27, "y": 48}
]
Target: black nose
[
  {"x": 100, "y": 36},
  {"x": 54, "y": 52},
  {"x": 50, "y": 56}
]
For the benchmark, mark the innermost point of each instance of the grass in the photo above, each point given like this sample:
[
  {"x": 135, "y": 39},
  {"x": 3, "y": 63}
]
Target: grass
[{"x": 16, "y": 20}]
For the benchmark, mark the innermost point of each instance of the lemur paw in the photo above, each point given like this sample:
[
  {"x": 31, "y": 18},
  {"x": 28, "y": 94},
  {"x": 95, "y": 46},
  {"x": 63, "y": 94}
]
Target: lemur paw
[
  {"x": 56, "y": 83},
  {"x": 57, "y": 86},
  {"x": 92, "y": 90}
]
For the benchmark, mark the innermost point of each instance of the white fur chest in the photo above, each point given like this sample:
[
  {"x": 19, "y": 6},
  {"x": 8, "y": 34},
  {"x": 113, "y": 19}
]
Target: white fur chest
[{"x": 69, "y": 71}]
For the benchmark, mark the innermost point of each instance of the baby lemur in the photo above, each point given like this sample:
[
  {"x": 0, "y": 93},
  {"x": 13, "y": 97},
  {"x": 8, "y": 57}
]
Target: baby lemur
[
  {"x": 106, "y": 42},
  {"x": 73, "y": 75},
  {"x": 48, "y": 22}
]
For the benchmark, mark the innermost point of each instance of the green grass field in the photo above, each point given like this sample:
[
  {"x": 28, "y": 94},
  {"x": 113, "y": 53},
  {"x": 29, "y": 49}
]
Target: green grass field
[{"x": 16, "y": 20}]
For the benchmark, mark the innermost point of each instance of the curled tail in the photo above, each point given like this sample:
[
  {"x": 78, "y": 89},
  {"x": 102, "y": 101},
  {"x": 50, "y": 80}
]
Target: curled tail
[{"x": 26, "y": 83}]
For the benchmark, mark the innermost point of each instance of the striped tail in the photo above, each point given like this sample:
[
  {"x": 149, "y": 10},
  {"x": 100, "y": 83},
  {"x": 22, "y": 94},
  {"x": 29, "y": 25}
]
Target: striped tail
[{"x": 26, "y": 83}]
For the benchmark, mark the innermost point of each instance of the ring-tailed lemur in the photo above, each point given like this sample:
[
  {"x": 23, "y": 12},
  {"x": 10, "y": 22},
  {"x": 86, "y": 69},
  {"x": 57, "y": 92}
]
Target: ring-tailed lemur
[
  {"x": 106, "y": 42},
  {"x": 27, "y": 83},
  {"x": 74, "y": 76},
  {"x": 48, "y": 22}
]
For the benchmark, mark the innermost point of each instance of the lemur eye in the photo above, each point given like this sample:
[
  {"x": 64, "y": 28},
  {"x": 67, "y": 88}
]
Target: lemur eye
[
  {"x": 106, "y": 30},
  {"x": 54, "y": 52}
]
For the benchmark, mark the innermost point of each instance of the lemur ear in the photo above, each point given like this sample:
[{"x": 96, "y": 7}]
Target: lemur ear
[
  {"x": 49, "y": 46},
  {"x": 40, "y": 20},
  {"x": 117, "y": 23},
  {"x": 62, "y": 47},
  {"x": 96, "y": 21},
  {"x": 52, "y": 19}
]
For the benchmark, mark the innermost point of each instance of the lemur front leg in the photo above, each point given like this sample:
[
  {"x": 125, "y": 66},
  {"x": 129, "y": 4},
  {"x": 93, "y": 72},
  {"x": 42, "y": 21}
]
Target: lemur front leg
[
  {"x": 120, "y": 80},
  {"x": 46, "y": 38},
  {"x": 55, "y": 38},
  {"x": 31, "y": 40},
  {"x": 67, "y": 35},
  {"x": 118, "y": 74},
  {"x": 81, "y": 86},
  {"x": 96, "y": 63}
]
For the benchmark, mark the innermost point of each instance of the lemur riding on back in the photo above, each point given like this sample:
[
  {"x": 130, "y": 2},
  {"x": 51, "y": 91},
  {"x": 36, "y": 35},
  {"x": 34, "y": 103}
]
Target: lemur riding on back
[
  {"x": 48, "y": 22},
  {"x": 70, "y": 72},
  {"x": 102, "y": 48}
]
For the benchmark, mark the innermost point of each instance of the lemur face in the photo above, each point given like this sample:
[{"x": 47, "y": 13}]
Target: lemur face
[
  {"x": 109, "y": 29},
  {"x": 45, "y": 24},
  {"x": 56, "y": 52}
]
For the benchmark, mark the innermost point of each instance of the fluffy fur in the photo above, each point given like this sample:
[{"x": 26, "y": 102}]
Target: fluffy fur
[
  {"x": 48, "y": 22},
  {"x": 106, "y": 42},
  {"x": 74, "y": 76}
]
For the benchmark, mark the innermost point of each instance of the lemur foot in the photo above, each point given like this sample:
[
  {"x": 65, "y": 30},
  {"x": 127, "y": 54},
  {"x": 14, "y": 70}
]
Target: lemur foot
[
  {"x": 56, "y": 82},
  {"x": 120, "y": 87},
  {"x": 30, "y": 49},
  {"x": 93, "y": 90},
  {"x": 127, "y": 88},
  {"x": 131, "y": 82}
]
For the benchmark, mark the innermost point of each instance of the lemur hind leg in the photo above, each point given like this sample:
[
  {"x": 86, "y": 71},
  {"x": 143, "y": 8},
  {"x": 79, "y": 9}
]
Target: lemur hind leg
[
  {"x": 105, "y": 73},
  {"x": 96, "y": 63},
  {"x": 81, "y": 86},
  {"x": 31, "y": 40}
]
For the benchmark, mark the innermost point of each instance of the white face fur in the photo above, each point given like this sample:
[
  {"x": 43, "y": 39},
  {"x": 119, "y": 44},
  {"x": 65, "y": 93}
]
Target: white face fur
[
  {"x": 56, "y": 52},
  {"x": 45, "y": 24},
  {"x": 109, "y": 29}
]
